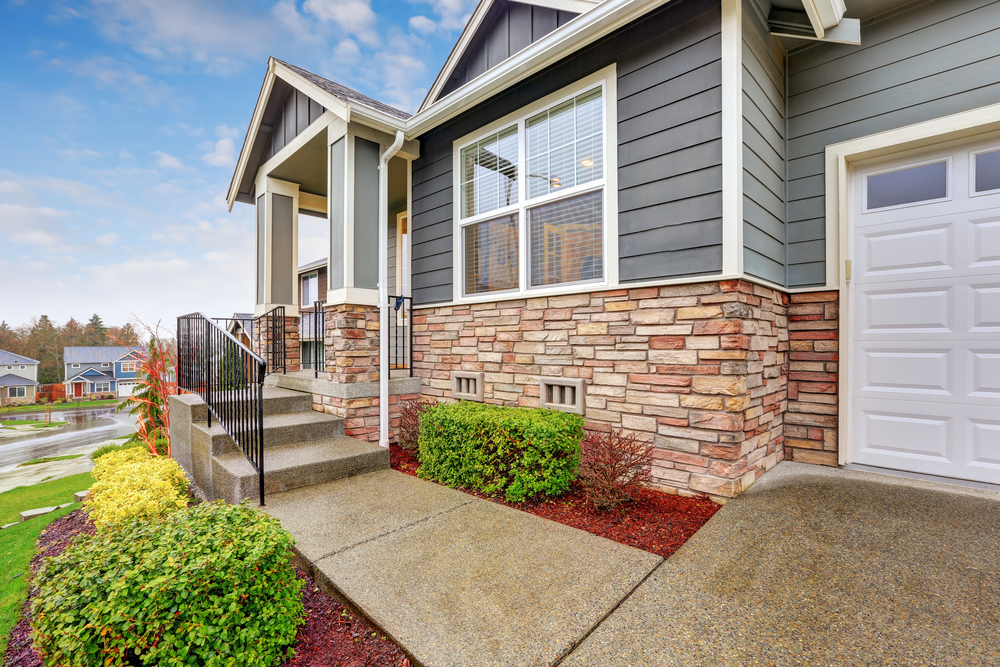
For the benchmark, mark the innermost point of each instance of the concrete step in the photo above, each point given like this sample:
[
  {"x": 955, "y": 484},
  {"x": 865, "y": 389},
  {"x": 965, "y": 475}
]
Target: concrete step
[
  {"x": 276, "y": 401},
  {"x": 279, "y": 430},
  {"x": 296, "y": 465}
]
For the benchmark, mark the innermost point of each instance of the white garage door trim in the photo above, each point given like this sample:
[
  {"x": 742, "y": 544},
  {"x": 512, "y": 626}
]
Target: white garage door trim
[{"x": 841, "y": 160}]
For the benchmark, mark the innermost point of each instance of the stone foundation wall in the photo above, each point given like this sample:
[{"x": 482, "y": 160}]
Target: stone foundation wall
[
  {"x": 351, "y": 343},
  {"x": 360, "y": 415},
  {"x": 698, "y": 370},
  {"x": 811, "y": 420}
]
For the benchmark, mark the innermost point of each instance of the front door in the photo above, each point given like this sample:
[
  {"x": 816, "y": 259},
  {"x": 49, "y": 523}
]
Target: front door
[
  {"x": 77, "y": 389},
  {"x": 924, "y": 348}
]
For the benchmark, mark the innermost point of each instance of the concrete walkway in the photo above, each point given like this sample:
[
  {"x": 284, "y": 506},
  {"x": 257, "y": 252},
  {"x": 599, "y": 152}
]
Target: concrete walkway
[
  {"x": 818, "y": 566},
  {"x": 29, "y": 475},
  {"x": 453, "y": 579}
]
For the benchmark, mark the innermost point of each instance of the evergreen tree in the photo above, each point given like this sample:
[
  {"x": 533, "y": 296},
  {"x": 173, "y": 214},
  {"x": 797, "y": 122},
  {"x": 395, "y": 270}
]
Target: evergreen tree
[
  {"x": 124, "y": 335},
  {"x": 95, "y": 332},
  {"x": 45, "y": 345}
]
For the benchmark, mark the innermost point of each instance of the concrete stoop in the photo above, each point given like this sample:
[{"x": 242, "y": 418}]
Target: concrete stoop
[{"x": 301, "y": 448}]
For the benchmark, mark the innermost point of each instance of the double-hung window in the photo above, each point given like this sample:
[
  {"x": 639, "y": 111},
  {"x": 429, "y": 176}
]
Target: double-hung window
[
  {"x": 102, "y": 386},
  {"x": 128, "y": 366},
  {"x": 15, "y": 392},
  {"x": 532, "y": 200}
]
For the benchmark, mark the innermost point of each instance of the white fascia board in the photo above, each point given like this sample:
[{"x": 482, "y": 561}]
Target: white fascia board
[
  {"x": 375, "y": 119},
  {"x": 824, "y": 14},
  {"x": 258, "y": 113},
  {"x": 456, "y": 52},
  {"x": 604, "y": 19},
  {"x": 308, "y": 88}
]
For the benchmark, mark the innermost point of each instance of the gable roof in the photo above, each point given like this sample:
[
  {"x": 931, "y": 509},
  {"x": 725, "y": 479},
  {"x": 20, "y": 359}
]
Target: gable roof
[
  {"x": 95, "y": 355},
  {"x": 479, "y": 20},
  {"x": 281, "y": 80},
  {"x": 9, "y": 358},
  {"x": 91, "y": 375},
  {"x": 11, "y": 380}
]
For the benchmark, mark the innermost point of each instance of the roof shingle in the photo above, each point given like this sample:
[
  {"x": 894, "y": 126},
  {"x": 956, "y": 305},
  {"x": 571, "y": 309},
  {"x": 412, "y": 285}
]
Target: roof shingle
[{"x": 344, "y": 93}]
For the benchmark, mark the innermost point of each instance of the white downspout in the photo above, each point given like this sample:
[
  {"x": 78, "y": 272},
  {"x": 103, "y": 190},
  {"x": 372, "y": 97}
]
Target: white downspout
[{"x": 383, "y": 289}]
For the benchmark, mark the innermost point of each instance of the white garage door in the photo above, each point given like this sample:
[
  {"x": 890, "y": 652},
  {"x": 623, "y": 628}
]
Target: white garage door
[
  {"x": 126, "y": 388},
  {"x": 924, "y": 352}
]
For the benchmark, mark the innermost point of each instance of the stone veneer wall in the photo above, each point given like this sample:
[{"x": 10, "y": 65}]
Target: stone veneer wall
[
  {"x": 698, "y": 370},
  {"x": 811, "y": 421},
  {"x": 262, "y": 342}
]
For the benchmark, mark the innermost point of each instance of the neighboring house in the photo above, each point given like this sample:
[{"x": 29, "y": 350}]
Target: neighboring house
[
  {"x": 18, "y": 378},
  {"x": 313, "y": 281},
  {"x": 101, "y": 370},
  {"x": 746, "y": 231},
  {"x": 240, "y": 325}
]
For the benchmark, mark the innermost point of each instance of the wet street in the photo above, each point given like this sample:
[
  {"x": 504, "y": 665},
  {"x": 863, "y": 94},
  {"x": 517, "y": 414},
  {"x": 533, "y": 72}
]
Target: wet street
[{"x": 85, "y": 427}]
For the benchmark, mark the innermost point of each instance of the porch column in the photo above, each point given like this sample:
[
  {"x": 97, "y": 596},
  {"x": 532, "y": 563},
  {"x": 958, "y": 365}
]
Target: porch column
[{"x": 277, "y": 264}]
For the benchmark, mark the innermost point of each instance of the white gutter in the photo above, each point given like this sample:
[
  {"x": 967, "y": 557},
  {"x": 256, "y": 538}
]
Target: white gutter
[
  {"x": 383, "y": 289},
  {"x": 824, "y": 14}
]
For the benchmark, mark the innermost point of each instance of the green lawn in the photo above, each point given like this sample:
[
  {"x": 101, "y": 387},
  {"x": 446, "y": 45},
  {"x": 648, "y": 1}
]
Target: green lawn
[
  {"x": 45, "y": 494},
  {"x": 17, "y": 547},
  {"x": 31, "y": 422},
  {"x": 49, "y": 459},
  {"x": 61, "y": 406}
]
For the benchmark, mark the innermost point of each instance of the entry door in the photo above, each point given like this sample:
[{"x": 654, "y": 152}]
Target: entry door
[{"x": 924, "y": 353}]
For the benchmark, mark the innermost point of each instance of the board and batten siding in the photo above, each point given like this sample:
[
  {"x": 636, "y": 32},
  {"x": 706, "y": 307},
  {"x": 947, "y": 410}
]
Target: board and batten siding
[
  {"x": 669, "y": 153},
  {"x": 508, "y": 28},
  {"x": 920, "y": 63},
  {"x": 763, "y": 149}
]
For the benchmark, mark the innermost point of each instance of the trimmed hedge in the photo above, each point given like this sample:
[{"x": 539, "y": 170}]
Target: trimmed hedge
[
  {"x": 211, "y": 585},
  {"x": 520, "y": 453}
]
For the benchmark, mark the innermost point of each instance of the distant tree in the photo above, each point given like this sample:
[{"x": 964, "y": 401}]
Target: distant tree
[
  {"x": 8, "y": 337},
  {"x": 96, "y": 332},
  {"x": 45, "y": 345},
  {"x": 124, "y": 335}
]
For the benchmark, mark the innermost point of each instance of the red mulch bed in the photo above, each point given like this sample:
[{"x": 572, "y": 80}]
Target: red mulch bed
[
  {"x": 657, "y": 522},
  {"x": 331, "y": 637}
]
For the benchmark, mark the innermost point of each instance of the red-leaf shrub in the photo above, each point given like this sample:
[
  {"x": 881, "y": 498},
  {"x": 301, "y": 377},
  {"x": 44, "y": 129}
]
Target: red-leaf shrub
[
  {"x": 613, "y": 466},
  {"x": 409, "y": 423}
]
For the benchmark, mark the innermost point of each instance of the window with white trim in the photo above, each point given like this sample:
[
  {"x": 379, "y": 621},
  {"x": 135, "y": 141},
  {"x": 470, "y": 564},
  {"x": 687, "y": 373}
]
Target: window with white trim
[
  {"x": 16, "y": 392},
  {"x": 310, "y": 289},
  {"x": 75, "y": 365},
  {"x": 532, "y": 200},
  {"x": 102, "y": 386},
  {"x": 128, "y": 366}
]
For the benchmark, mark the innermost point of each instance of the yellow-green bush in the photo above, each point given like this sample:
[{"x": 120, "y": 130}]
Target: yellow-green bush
[{"x": 134, "y": 484}]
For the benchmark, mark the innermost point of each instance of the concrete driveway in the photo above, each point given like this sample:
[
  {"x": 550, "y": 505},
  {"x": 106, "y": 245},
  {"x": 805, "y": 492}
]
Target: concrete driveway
[{"x": 818, "y": 566}]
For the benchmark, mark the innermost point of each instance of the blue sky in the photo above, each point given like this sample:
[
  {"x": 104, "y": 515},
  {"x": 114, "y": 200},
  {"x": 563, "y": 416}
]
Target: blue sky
[{"x": 123, "y": 121}]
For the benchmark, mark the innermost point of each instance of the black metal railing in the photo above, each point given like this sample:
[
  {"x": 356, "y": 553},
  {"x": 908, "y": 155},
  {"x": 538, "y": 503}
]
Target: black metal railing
[
  {"x": 401, "y": 334},
  {"x": 270, "y": 329},
  {"x": 230, "y": 378},
  {"x": 312, "y": 329}
]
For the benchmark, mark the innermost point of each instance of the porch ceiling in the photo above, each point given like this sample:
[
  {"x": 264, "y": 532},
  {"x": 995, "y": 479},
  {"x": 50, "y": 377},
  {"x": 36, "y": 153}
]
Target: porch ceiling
[{"x": 307, "y": 167}]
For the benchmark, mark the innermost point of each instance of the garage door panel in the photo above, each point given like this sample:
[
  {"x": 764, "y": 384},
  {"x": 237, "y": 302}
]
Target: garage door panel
[
  {"x": 984, "y": 308},
  {"x": 908, "y": 250},
  {"x": 904, "y": 370},
  {"x": 983, "y": 373},
  {"x": 906, "y": 309},
  {"x": 886, "y": 431},
  {"x": 985, "y": 242},
  {"x": 984, "y": 445}
]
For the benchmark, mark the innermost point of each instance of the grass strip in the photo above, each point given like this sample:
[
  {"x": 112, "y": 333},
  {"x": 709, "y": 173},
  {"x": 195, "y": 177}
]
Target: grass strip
[
  {"x": 61, "y": 406},
  {"x": 17, "y": 547},
  {"x": 45, "y": 494},
  {"x": 49, "y": 459}
]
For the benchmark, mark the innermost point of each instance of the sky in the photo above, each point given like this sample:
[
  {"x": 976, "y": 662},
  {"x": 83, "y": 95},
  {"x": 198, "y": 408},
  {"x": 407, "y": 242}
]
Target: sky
[{"x": 124, "y": 118}]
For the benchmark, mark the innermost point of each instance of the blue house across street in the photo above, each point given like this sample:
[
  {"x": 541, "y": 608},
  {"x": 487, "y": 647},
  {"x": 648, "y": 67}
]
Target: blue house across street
[{"x": 101, "y": 370}]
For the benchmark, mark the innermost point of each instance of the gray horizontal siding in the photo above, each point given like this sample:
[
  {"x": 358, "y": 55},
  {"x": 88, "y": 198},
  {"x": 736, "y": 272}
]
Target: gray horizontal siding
[
  {"x": 669, "y": 153},
  {"x": 506, "y": 29},
  {"x": 764, "y": 235},
  {"x": 927, "y": 61}
]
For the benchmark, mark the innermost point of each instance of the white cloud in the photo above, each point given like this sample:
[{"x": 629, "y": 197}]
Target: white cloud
[
  {"x": 346, "y": 52},
  {"x": 167, "y": 161},
  {"x": 353, "y": 16},
  {"x": 111, "y": 73},
  {"x": 422, "y": 24},
  {"x": 41, "y": 226},
  {"x": 227, "y": 132},
  {"x": 107, "y": 239},
  {"x": 221, "y": 153},
  {"x": 78, "y": 153},
  {"x": 454, "y": 13}
]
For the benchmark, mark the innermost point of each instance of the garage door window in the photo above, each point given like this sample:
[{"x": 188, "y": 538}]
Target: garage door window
[
  {"x": 902, "y": 187},
  {"x": 987, "y": 169}
]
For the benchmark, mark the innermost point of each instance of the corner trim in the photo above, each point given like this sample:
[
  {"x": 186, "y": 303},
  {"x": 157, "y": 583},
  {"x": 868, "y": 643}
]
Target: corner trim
[{"x": 732, "y": 136}]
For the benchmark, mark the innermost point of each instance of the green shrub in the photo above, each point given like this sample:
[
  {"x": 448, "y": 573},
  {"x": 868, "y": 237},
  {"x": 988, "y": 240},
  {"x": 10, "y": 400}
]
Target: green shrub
[
  {"x": 518, "y": 452},
  {"x": 209, "y": 585},
  {"x": 107, "y": 449}
]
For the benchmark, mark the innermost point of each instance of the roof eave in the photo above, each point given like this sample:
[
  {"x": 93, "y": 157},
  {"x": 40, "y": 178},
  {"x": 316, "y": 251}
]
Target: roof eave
[{"x": 585, "y": 29}]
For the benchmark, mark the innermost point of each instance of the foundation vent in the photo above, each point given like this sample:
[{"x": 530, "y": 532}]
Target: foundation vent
[
  {"x": 467, "y": 386},
  {"x": 566, "y": 394}
]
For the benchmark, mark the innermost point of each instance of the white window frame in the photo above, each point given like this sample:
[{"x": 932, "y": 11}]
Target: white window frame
[
  {"x": 105, "y": 364},
  {"x": 304, "y": 280},
  {"x": 102, "y": 387},
  {"x": 10, "y": 368},
  {"x": 17, "y": 392},
  {"x": 129, "y": 367},
  {"x": 606, "y": 79},
  {"x": 972, "y": 173},
  {"x": 74, "y": 365}
]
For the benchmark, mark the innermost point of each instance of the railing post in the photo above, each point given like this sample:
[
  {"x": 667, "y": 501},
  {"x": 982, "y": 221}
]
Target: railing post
[{"x": 409, "y": 320}]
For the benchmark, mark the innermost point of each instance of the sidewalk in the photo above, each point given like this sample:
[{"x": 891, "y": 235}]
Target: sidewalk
[
  {"x": 455, "y": 580},
  {"x": 29, "y": 475}
]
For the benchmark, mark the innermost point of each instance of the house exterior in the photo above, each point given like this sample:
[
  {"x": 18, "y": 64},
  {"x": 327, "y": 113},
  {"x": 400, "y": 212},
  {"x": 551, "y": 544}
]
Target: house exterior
[
  {"x": 101, "y": 370},
  {"x": 746, "y": 231},
  {"x": 18, "y": 378}
]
